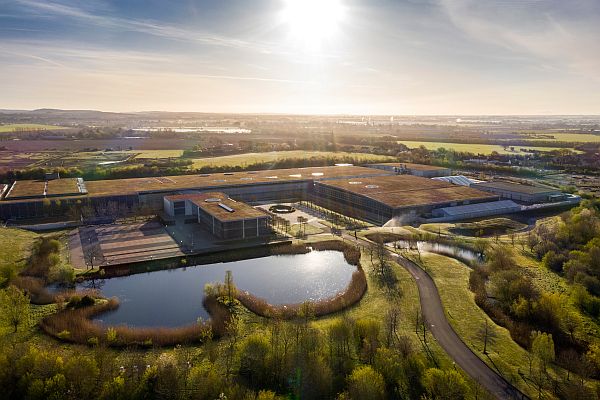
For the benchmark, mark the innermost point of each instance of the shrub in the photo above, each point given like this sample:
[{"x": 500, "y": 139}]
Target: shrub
[
  {"x": 64, "y": 335},
  {"x": 74, "y": 302},
  {"x": 86, "y": 301}
]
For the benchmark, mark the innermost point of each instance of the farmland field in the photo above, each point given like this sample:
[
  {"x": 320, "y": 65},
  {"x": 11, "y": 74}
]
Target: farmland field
[
  {"x": 155, "y": 153},
  {"x": 474, "y": 148},
  {"x": 28, "y": 127},
  {"x": 251, "y": 158},
  {"x": 566, "y": 137}
]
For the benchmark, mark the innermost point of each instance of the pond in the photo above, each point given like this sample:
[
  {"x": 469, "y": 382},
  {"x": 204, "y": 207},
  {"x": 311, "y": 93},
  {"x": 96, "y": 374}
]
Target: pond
[
  {"x": 439, "y": 248},
  {"x": 174, "y": 297}
]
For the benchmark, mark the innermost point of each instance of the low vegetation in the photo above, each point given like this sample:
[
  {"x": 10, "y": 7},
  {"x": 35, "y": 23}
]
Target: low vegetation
[{"x": 74, "y": 324}]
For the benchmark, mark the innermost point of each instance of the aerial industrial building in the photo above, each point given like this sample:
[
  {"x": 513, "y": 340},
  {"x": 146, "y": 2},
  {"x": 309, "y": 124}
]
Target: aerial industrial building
[
  {"x": 380, "y": 199},
  {"x": 524, "y": 193},
  {"x": 224, "y": 217},
  {"x": 377, "y": 194}
]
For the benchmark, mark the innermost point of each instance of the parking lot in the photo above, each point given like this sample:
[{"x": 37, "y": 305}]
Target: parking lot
[{"x": 117, "y": 244}]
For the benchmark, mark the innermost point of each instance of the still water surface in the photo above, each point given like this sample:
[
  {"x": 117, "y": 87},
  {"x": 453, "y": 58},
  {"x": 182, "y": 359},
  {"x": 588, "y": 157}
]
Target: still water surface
[{"x": 174, "y": 297}]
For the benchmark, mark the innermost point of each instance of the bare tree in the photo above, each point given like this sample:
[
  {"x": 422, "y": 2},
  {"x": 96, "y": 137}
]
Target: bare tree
[
  {"x": 91, "y": 255},
  {"x": 487, "y": 335}
]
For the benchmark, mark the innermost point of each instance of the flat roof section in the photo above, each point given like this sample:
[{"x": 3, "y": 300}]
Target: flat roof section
[
  {"x": 42, "y": 188},
  {"x": 416, "y": 167},
  {"x": 400, "y": 191},
  {"x": 517, "y": 188},
  {"x": 220, "y": 179},
  {"x": 432, "y": 197},
  {"x": 386, "y": 184},
  {"x": 220, "y": 206},
  {"x": 59, "y": 187},
  {"x": 26, "y": 189},
  {"x": 501, "y": 206}
]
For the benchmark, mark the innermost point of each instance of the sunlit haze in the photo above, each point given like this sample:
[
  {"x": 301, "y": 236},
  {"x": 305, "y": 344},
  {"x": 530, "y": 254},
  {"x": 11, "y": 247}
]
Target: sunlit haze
[{"x": 302, "y": 56}]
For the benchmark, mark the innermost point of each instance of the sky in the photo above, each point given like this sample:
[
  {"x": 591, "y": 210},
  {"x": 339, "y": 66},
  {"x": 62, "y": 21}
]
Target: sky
[{"x": 392, "y": 57}]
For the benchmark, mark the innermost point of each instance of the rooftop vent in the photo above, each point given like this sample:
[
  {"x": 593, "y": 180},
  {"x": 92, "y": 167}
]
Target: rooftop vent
[
  {"x": 226, "y": 208},
  {"x": 212, "y": 200}
]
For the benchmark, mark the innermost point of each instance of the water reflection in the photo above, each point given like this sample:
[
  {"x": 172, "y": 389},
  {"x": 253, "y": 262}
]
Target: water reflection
[{"x": 439, "y": 248}]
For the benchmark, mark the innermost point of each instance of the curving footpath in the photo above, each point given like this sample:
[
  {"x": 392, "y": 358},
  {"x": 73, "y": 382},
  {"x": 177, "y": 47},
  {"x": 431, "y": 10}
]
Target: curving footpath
[{"x": 433, "y": 312}]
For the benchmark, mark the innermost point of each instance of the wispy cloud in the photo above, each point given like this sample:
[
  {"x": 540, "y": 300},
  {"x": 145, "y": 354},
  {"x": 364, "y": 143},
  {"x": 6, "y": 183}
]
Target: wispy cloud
[
  {"x": 154, "y": 28},
  {"x": 562, "y": 33}
]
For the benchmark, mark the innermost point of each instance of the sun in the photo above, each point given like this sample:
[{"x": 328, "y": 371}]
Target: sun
[{"x": 312, "y": 22}]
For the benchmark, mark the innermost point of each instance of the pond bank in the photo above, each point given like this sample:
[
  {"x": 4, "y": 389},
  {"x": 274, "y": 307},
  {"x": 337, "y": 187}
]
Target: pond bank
[{"x": 77, "y": 325}]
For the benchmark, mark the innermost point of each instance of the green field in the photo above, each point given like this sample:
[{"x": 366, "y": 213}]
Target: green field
[
  {"x": 252, "y": 158},
  {"x": 28, "y": 127},
  {"x": 473, "y": 148},
  {"x": 567, "y": 137},
  {"x": 155, "y": 153}
]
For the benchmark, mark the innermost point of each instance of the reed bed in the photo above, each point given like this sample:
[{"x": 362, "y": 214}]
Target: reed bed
[
  {"x": 351, "y": 253},
  {"x": 77, "y": 326},
  {"x": 352, "y": 295},
  {"x": 39, "y": 295}
]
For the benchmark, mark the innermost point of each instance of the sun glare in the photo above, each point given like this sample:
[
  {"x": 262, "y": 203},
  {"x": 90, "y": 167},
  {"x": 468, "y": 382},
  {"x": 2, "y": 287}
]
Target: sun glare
[{"x": 312, "y": 22}]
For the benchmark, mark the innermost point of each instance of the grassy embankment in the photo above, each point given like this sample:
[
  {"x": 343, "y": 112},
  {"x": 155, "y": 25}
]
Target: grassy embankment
[
  {"x": 482, "y": 228},
  {"x": 15, "y": 250},
  {"x": 468, "y": 319},
  {"x": 474, "y": 148},
  {"x": 504, "y": 355}
]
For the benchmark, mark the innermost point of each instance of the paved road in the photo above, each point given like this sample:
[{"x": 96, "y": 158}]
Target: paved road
[{"x": 433, "y": 311}]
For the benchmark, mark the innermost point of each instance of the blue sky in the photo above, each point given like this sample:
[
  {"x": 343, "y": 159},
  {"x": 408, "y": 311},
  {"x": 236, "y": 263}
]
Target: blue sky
[{"x": 343, "y": 56}]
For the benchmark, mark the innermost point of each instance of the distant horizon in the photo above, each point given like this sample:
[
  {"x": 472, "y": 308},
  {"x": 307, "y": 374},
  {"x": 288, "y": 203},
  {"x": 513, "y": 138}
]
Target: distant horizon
[{"x": 294, "y": 114}]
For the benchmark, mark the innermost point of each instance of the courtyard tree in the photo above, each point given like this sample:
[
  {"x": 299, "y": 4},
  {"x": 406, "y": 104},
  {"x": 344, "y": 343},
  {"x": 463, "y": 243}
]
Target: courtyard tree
[{"x": 92, "y": 256}]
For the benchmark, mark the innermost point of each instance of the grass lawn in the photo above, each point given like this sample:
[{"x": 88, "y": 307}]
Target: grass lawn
[
  {"x": 486, "y": 227},
  {"x": 28, "y": 127},
  {"x": 308, "y": 229},
  {"x": 15, "y": 247},
  {"x": 473, "y": 148},
  {"x": 252, "y": 158}
]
